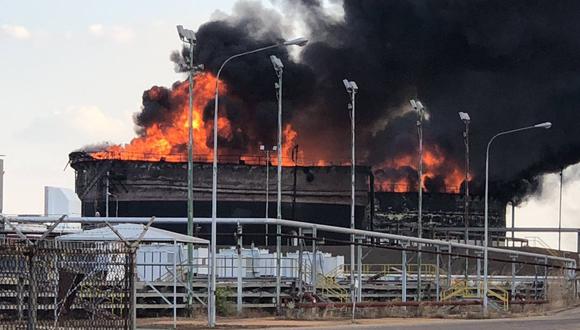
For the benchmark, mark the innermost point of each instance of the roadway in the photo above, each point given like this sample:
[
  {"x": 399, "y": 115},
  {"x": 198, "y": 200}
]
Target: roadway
[{"x": 565, "y": 320}]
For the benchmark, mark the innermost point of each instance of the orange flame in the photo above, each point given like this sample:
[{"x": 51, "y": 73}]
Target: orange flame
[
  {"x": 168, "y": 142},
  {"x": 434, "y": 164}
]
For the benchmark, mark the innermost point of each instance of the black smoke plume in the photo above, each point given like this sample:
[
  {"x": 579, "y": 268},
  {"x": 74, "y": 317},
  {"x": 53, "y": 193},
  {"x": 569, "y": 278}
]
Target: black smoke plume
[{"x": 507, "y": 63}]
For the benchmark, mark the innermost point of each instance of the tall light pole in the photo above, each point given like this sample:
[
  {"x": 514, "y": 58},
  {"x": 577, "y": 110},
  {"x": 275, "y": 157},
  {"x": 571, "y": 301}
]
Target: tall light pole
[
  {"x": 420, "y": 109},
  {"x": 188, "y": 36},
  {"x": 267, "y": 214},
  {"x": 213, "y": 268},
  {"x": 464, "y": 116},
  {"x": 279, "y": 69},
  {"x": 352, "y": 89},
  {"x": 545, "y": 125}
]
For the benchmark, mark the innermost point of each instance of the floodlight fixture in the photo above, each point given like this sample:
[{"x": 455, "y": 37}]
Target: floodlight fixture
[
  {"x": 354, "y": 86},
  {"x": 417, "y": 105},
  {"x": 420, "y": 106},
  {"x": 346, "y": 84},
  {"x": 350, "y": 86},
  {"x": 276, "y": 62},
  {"x": 186, "y": 35},
  {"x": 464, "y": 116}
]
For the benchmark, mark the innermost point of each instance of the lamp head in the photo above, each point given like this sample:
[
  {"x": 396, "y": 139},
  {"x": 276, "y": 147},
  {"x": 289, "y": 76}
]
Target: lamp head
[
  {"x": 417, "y": 105},
  {"x": 420, "y": 106},
  {"x": 350, "y": 86},
  {"x": 545, "y": 125},
  {"x": 354, "y": 86},
  {"x": 276, "y": 62},
  {"x": 296, "y": 41},
  {"x": 186, "y": 35},
  {"x": 464, "y": 116}
]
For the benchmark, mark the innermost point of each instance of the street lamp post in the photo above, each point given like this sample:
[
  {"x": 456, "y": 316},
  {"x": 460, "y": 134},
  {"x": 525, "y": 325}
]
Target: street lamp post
[
  {"x": 545, "y": 125},
  {"x": 352, "y": 89},
  {"x": 188, "y": 36},
  {"x": 464, "y": 116},
  {"x": 420, "y": 109},
  {"x": 213, "y": 268},
  {"x": 279, "y": 69}
]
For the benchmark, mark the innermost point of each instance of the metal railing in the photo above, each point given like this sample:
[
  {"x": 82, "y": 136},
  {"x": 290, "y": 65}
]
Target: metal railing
[
  {"x": 396, "y": 269},
  {"x": 227, "y": 267}
]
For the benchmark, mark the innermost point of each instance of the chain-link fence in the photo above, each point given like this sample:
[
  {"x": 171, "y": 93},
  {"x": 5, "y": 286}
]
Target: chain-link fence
[{"x": 65, "y": 285}]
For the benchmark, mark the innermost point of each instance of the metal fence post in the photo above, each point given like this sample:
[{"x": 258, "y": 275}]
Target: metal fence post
[
  {"x": 359, "y": 270},
  {"x": 278, "y": 268},
  {"x": 175, "y": 247},
  {"x": 546, "y": 277},
  {"x": 300, "y": 261},
  {"x": 133, "y": 286},
  {"x": 478, "y": 270},
  {"x": 313, "y": 268},
  {"x": 239, "y": 284},
  {"x": 404, "y": 273},
  {"x": 449, "y": 269},
  {"x": 437, "y": 273},
  {"x": 513, "y": 284},
  {"x": 32, "y": 290}
]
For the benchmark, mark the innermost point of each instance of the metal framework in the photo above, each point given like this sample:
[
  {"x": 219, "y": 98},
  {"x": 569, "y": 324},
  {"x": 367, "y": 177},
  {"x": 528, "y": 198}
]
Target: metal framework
[
  {"x": 53, "y": 284},
  {"x": 404, "y": 243}
]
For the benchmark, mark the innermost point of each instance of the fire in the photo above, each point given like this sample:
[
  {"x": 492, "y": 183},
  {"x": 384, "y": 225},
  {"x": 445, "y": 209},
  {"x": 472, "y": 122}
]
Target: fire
[
  {"x": 400, "y": 173},
  {"x": 168, "y": 140}
]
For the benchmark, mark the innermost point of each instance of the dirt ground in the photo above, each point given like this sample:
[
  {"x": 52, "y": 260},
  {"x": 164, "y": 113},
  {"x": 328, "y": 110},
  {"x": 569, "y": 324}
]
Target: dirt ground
[{"x": 271, "y": 322}]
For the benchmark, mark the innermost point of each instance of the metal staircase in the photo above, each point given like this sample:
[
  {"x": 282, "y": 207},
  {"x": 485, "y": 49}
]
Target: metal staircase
[{"x": 462, "y": 290}]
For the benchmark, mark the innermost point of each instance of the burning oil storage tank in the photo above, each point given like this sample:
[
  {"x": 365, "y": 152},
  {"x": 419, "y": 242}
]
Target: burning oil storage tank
[{"x": 136, "y": 188}]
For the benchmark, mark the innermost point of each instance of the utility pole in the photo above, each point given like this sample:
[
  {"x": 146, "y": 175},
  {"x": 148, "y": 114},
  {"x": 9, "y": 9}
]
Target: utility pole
[
  {"x": 545, "y": 125},
  {"x": 464, "y": 116},
  {"x": 189, "y": 37},
  {"x": 420, "y": 109},
  {"x": 213, "y": 268},
  {"x": 352, "y": 89},
  {"x": 279, "y": 69}
]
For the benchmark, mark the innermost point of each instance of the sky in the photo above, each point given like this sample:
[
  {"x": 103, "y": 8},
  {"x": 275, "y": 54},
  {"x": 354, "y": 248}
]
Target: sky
[{"x": 73, "y": 73}]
